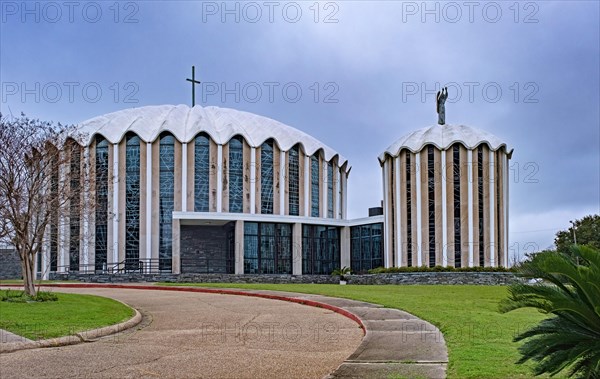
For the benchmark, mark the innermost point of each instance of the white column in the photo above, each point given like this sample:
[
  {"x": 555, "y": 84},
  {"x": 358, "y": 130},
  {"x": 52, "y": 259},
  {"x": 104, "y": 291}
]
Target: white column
[
  {"x": 444, "y": 184},
  {"x": 344, "y": 194},
  {"x": 282, "y": 183},
  {"x": 86, "y": 211},
  {"x": 419, "y": 235},
  {"x": 219, "y": 178},
  {"x": 505, "y": 195},
  {"x": 325, "y": 190},
  {"x": 470, "y": 203},
  {"x": 184, "y": 172},
  {"x": 252, "y": 180},
  {"x": 306, "y": 186},
  {"x": 63, "y": 216},
  {"x": 338, "y": 202},
  {"x": 115, "y": 210},
  {"x": 397, "y": 214},
  {"x": 148, "y": 202},
  {"x": 239, "y": 247},
  {"x": 297, "y": 249},
  {"x": 46, "y": 255},
  {"x": 492, "y": 179},
  {"x": 386, "y": 209}
]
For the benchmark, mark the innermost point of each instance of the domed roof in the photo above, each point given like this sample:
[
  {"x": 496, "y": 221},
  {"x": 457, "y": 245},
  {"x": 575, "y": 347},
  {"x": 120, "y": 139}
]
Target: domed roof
[
  {"x": 444, "y": 136},
  {"x": 185, "y": 123}
]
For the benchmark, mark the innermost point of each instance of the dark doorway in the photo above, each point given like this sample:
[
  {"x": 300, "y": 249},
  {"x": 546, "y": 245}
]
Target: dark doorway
[{"x": 207, "y": 249}]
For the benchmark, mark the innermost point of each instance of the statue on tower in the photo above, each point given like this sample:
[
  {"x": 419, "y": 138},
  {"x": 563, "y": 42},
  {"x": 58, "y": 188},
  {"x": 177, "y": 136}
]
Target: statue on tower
[{"x": 440, "y": 105}]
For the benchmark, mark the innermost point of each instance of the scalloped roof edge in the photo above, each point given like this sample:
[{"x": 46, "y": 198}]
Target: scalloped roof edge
[
  {"x": 185, "y": 123},
  {"x": 444, "y": 136}
]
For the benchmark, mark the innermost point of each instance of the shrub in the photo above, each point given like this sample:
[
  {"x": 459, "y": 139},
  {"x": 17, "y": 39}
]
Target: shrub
[
  {"x": 566, "y": 286},
  {"x": 391, "y": 270},
  {"x": 20, "y": 296}
]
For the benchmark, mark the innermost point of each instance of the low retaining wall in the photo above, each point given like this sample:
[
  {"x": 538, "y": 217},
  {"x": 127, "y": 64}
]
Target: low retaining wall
[
  {"x": 407, "y": 278},
  {"x": 473, "y": 278}
]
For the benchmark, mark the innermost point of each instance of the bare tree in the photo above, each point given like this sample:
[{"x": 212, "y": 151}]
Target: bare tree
[{"x": 36, "y": 191}]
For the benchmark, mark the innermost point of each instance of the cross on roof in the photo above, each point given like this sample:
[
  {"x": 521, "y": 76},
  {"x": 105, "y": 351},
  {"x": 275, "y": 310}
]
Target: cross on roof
[{"x": 194, "y": 82}]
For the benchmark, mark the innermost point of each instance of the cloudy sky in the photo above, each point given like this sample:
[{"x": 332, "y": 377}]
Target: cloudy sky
[{"x": 355, "y": 74}]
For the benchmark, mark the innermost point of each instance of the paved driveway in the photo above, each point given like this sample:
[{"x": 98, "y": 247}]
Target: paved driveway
[{"x": 198, "y": 335}]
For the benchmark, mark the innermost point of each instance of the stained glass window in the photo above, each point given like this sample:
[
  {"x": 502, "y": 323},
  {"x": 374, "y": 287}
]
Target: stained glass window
[
  {"x": 166, "y": 200},
  {"x": 101, "y": 212},
  {"x": 294, "y": 181},
  {"x": 320, "y": 249},
  {"x": 266, "y": 177},
  {"x": 201, "y": 173},
  {"x": 74, "y": 214},
  {"x": 54, "y": 218},
  {"x": 236, "y": 175},
  {"x": 456, "y": 176},
  {"x": 315, "y": 178},
  {"x": 267, "y": 248},
  {"x": 132, "y": 200},
  {"x": 431, "y": 203},
  {"x": 480, "y": 203},
  {"x": 366, "y": 248}
]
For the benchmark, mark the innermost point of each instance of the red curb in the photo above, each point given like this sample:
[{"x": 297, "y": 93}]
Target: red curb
[{"x": 311, "y": 303}]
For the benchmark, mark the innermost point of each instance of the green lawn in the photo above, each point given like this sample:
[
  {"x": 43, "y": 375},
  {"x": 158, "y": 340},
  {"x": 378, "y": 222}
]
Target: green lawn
[
  {"x": 479, "y": 339},
  {"x": 70, "y": 314}
]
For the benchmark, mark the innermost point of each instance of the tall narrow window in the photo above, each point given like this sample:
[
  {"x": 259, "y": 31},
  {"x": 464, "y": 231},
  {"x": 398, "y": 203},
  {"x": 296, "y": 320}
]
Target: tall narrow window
[
  {"x": 320, "y": 249},
  {"x": 294, "y": 181},
  {"x": 101, "y": 222},
  {"x": 480, "y": 203},
  {"x": 54, "y": 217},
  {"x": 236, "y": 175},
  {"x": 201, "y": 173},
  {"x": 74, "y": 202},
  {"x": 330, "y": 190},
  {"x": 431, "y": 204},
  {"x": 456, "y": 176},
  {"x": 497, "y": 186},
  {"x": 132, "y": 200},
  {"x": 267, "y": 248},
  {"x": 166, "y": 199},
  {"x": 266, "y": 177},
  {"x": 366, "y": 247},
  {"x": 409, "y": 242},
  {"x": 315, "y": 179}
]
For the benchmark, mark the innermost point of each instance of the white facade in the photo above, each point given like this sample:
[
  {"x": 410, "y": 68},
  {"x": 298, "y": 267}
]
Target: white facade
[{"x": 446, "y": 198}]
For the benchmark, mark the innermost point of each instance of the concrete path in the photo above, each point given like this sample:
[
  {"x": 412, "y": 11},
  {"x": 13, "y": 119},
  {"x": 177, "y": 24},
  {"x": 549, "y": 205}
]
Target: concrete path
[
  {"x": 8, "y": 337},
  {"x": 199, "y": 335},
  {"x": 396, "y": 344}
]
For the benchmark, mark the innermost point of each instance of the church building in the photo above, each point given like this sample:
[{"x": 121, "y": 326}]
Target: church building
[{"x": 213, "y": 190}]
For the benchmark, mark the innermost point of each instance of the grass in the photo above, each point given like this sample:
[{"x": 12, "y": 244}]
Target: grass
[
  {"x": 479, "y": 338},
  {"x": 68, "y": 315},
  {"x": 20, "y": 281}
]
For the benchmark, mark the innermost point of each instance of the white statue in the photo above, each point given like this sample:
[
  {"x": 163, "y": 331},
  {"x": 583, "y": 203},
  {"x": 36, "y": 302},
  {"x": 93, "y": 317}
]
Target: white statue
[{"x": 441, "y": 108}]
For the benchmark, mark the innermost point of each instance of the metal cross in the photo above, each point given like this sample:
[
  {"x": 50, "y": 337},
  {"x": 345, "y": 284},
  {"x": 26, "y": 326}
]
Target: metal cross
[{"x": 194, "y": 82}]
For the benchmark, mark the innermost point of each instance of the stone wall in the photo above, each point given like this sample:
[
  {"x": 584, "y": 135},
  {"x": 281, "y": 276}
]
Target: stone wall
[
  {"x": 10, "y": 264},
  {"x": 473, "y": 278}
]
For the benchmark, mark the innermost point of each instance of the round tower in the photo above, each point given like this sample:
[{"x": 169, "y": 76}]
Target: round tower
[{"x": 446, "y": 198}]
